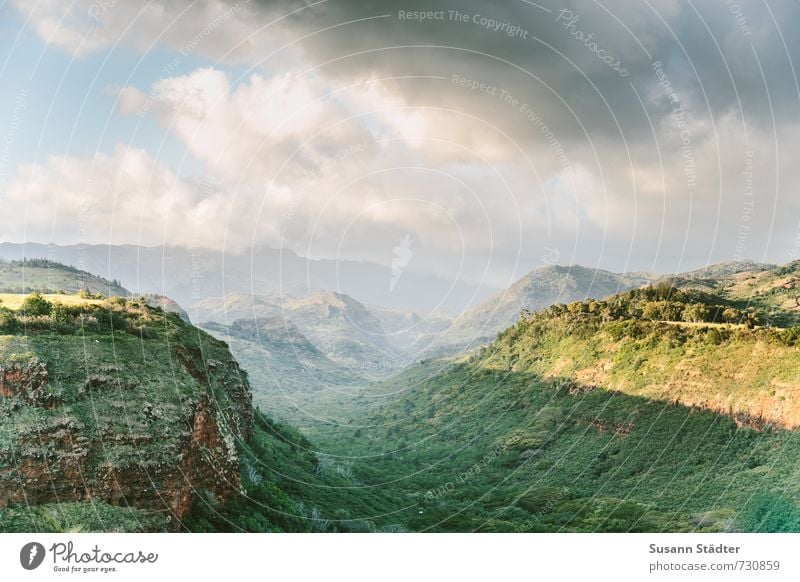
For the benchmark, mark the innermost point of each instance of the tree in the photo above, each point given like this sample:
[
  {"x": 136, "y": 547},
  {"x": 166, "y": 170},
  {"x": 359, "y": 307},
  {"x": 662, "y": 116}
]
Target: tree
[
  {"x": 576, "y": 307},
  {"x": 672, "y": 311},
  {"x": 652, "y": 310},
  {"x": 695, "y": 313},
  {"x": 730, "y": 315},
  {"x": 35, "y": 304}
]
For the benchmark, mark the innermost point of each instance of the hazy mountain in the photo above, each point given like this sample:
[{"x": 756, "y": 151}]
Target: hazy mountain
[
  {"x": 410, "y": 333},
  {"x": 189, "y": 276},
  {"x": 236, "y": 306},
  {"x": 287, "y": 372},
  {"x": 337, "y": 325},
  {"x": 540, "y": 288}
]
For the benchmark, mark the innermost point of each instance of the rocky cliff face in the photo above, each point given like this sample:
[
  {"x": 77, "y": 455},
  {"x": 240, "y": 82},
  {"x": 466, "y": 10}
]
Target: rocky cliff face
[
  {"x": 149, "y": 430},
  {"x": 29, "y": 382}
]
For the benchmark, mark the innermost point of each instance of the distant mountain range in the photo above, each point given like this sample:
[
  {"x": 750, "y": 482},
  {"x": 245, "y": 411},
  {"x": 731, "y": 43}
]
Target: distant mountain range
[
  {"x": 304, "y": 342},
  {"x": 339, "y": 327},
  {"x": 189, "y": 276},
  {"x": 540, "y": 288}
]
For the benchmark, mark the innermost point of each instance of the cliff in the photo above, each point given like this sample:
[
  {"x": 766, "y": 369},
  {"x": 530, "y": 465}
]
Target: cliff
[{"x": 120, "y": 403}]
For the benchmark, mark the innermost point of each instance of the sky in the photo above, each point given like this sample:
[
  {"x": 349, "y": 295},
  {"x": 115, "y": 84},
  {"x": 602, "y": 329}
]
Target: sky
[{"x": 481, "y": 139}]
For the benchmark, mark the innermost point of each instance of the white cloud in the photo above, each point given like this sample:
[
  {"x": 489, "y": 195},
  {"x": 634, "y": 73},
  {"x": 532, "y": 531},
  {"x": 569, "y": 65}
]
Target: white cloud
[
  {"x": 120, "y": 198},
  {"x": 378, "y": 142},
  {"x": 212, "y": 28}
]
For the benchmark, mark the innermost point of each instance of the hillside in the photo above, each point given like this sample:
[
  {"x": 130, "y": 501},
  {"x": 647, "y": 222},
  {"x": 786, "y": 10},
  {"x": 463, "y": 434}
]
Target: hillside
[
  {"x": 95, "y": 407},
  {"x": 725, "y": 270},
  {"x": 290, "y": 376},
  {"x": 166, "y": 304},
  {"x": 122, "y": 417},
  {"x": 655, "y": 410},
  {"x": 538, "y": 289},
  {"x": 50, "y": 277},
  {"x": 772, "y": 291}
]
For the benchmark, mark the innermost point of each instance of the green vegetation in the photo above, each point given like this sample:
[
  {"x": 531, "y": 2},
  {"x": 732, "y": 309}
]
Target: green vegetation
[
  {"x": 589, "y": 417},
  {"x": 537, "y": 290},
  {"x": 122, "y": 382},
  {"x": 662, "y": 302},
  {"x": 770, "y": 292},
  {"x": 671, "y": 407},
  {"x": 291, "y": 488},
  {"x": 84, "y": 516},
  {"x": 107, "y": 378}
]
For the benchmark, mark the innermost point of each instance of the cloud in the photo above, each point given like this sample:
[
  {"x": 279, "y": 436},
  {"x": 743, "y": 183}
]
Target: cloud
[
  {"x": 119, "y": 198},
  {"x": 212, "y": 28},
  {"x": 327, "y": 168},
  {"x": 616, "y": 132}
]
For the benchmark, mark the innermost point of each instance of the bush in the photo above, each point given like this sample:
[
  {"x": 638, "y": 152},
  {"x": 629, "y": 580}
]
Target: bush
[
  {"x": 769, "y": 512},
  {"x": 61, "y": 314},
  {"x": 791, "y": 336},
  {"x": 542, "y": 500},
  {"x": 36, "y": 305},
  {"x": 8, "y": 321},
  {"x": 110, "y": 319}
]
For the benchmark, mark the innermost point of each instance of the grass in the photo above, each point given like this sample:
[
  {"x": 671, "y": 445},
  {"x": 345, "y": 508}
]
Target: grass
[
  {"x": 479, "y": 448},
  {"x": 125, "y": 378},
  {"x": 566, "y": 423},
  {"x": 14, "y": 300},
  {"x": 51, "y": 277}
]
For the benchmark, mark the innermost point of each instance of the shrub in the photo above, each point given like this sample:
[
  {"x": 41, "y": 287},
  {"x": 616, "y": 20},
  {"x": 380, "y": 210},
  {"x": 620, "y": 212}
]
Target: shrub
[
  {"x": 36, "y": 305},
  {"x": 60, "y": 313},
  {"x": 769, "y": 512},
  {"x": 695, "y": 313},
  {"x": 8, "y": 321},
  {"x": 542, "y": 500},
  {"x": 118, "y": 301},
  {"x": 791, "y": 336}
]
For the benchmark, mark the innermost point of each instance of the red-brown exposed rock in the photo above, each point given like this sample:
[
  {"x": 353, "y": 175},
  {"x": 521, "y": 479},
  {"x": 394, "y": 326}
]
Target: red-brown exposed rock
[
  {"x": 28, "y": 381},
  {"x": 62, "y": 469},
  {"x": 52, "y": 460}
]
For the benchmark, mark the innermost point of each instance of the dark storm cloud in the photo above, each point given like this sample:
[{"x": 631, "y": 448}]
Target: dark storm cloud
[
  {"x": 660, "y": 101},
  {"x": 552, "y": 54}
]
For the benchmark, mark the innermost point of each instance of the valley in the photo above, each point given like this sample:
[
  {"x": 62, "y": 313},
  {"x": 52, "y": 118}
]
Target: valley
[{"x": 607, "y": 403}]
